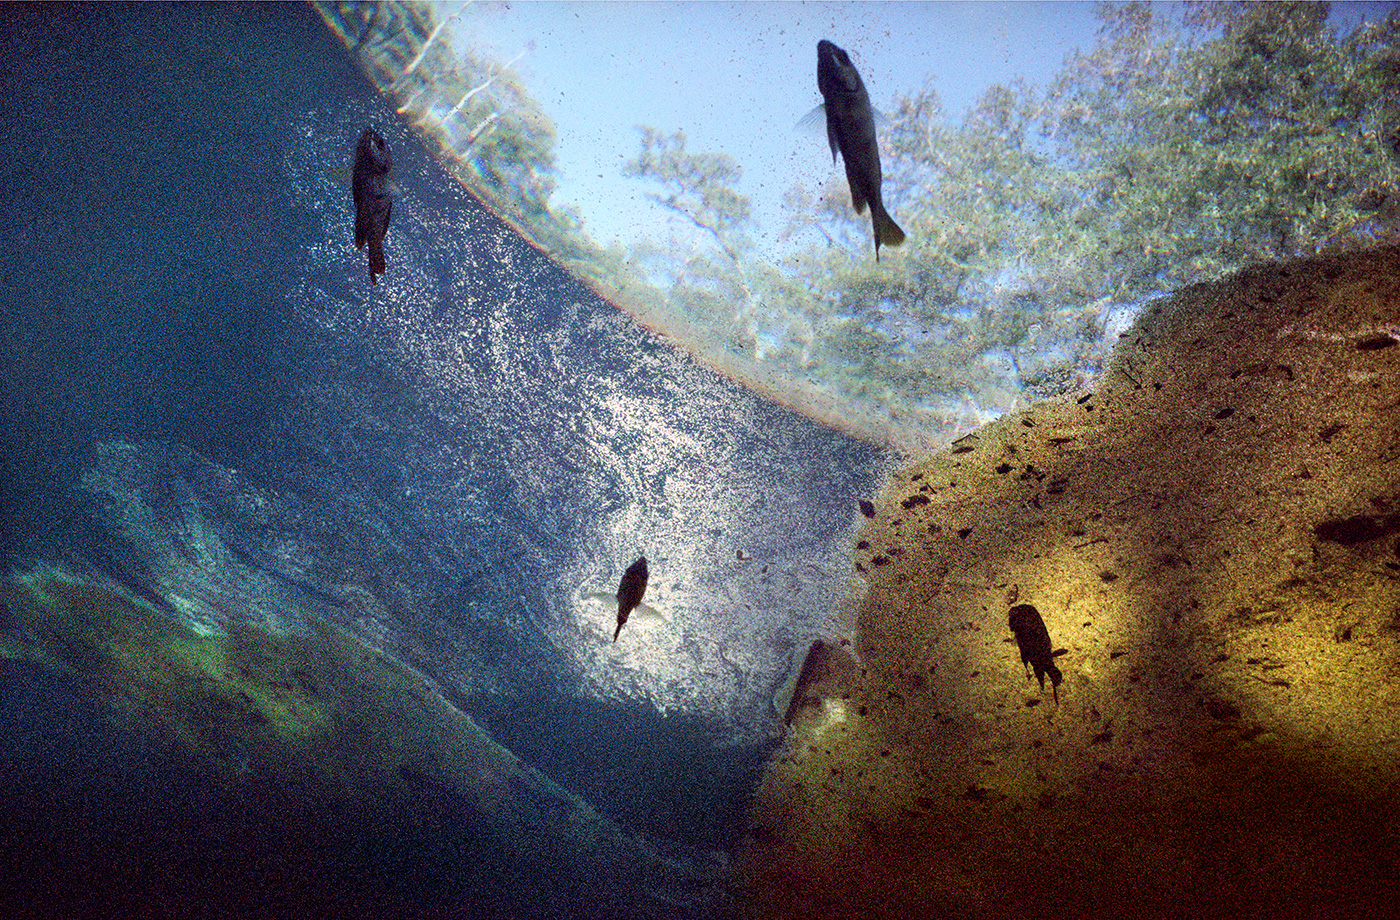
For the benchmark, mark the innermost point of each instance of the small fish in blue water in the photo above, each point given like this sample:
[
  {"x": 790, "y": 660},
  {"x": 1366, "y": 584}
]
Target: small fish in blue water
[
  {"x": 374, "y": 201},
  {"x": 850, "y": 128},
  {"x": 630, "y": 591},
  {"x": 1033, "y": 639}
]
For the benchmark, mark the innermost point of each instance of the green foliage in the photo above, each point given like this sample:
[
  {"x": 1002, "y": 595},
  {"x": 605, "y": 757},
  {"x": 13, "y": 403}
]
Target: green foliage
[
  {"x": 696, "y": 184},
  {"x": 1190, "y": 141}
]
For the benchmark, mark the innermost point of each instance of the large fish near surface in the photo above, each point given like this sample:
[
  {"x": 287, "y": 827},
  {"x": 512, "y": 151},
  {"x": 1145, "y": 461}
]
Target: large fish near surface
[
  {"x": 374, "y": 201},
  {"x": 630, "y": 591},
  {"x": 850, "y": 128}
]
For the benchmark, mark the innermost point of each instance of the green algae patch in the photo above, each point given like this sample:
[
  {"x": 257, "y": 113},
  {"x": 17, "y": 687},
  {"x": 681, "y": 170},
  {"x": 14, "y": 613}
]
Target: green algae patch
[
  {"x": 311, "y": 760},
  {"x": 223, "y": 697},
  {"x": 318, "y": 708}
]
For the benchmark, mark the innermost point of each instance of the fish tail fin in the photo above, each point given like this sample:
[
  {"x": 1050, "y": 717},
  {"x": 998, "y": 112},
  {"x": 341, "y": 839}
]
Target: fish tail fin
[
  {"x": 376, "y": 258},
  {"x": 887, "y": 232}
]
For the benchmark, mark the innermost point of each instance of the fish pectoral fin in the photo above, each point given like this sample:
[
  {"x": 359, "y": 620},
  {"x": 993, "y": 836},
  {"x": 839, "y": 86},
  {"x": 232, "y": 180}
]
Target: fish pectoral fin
[{"x": 812, "y": 121}]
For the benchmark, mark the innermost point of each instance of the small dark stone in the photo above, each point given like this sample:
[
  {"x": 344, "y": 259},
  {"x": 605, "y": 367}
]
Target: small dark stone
[
  {"x": 1225, "y": 413},
  {"x": 866, "y": 508}
]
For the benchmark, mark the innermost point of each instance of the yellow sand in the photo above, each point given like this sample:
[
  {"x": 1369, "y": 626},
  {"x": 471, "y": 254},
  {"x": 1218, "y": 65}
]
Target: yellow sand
[{"x": 1227, "y": 741}]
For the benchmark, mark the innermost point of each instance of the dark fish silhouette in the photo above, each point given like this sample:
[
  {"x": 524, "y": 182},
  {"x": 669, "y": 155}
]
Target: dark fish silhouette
[
  {"x": 1033, "y": 639},
  {"x": 374, "y": 202},
  {"x": 850, "y": 128},
  {"x": 630, "y": 591}
]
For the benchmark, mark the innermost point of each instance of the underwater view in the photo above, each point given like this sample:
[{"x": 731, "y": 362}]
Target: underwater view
[{"x": 700, "y": 460}]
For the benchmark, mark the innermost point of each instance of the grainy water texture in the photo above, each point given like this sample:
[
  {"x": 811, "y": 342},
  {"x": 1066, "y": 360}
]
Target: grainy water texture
[
  {"x": 310, "y": 581},
  {"x": 211, "y": 414}
]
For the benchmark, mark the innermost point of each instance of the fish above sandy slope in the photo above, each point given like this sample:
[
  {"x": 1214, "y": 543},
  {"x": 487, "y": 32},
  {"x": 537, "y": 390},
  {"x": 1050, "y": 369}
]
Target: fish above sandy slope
[
  {"x": 374, "y": 201},
  {"x": 630, "y": 591},
  {"x": 1033, "y": 640},
  {"x": 850, "y": 128}
]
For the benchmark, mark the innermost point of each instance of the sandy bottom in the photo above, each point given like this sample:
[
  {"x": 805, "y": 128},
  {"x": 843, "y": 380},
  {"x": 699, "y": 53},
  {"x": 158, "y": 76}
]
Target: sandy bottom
[{"x": 1212, "y": 536}]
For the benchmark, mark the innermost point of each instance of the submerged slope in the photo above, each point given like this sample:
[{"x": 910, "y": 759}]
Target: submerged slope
[
  {"x": 158, "y": 770},
  {"x": 1211, "y": 535}
]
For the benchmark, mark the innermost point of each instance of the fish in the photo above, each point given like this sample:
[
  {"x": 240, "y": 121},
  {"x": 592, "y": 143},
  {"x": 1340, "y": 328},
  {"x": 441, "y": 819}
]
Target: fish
[
  {"x": 630, "y": 591},
  {"x": 850, "y": 129},
  {"x": 1033, "y": 639},
  {"x": 374, "y": 201}
]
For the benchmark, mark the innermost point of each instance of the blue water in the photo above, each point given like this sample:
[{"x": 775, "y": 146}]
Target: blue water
[{"x": 207, "y": 404}]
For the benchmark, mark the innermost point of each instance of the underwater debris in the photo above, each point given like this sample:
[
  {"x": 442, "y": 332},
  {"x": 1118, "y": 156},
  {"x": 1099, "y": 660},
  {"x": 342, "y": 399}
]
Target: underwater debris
[
  {"x": 374, "y": 202},
  {"x": 850, "y": 128},
  {"x": 1033, "y": 639},
  {"x": 630, "y": 591}
]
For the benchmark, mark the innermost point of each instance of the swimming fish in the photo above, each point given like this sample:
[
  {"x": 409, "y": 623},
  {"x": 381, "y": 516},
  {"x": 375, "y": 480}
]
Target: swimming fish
[
  {"x": 850, "y": 128},
  {"x": 630, "y": 591},
  {"x": 374, "y": 202},
  {"x": 1033, "y": 639}
]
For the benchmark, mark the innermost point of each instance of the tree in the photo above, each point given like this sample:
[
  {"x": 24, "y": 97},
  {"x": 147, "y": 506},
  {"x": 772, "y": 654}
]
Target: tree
[{"x": 1189, "y": 141}]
